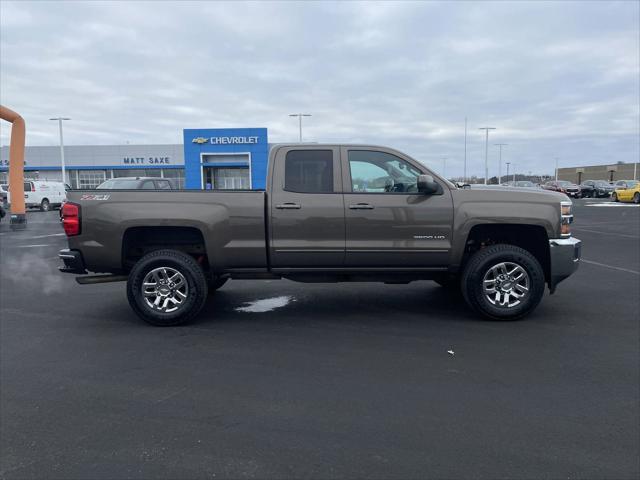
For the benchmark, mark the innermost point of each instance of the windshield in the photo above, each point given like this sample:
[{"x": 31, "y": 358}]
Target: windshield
[
  {"x": 116, "y": 184},
  {"x": 632, "y": 183},
  {"x": 563, "y": 183}
]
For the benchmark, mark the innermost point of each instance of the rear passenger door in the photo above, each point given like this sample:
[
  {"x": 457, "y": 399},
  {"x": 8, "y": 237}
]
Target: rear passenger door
[{"x": 307, "y": 208}]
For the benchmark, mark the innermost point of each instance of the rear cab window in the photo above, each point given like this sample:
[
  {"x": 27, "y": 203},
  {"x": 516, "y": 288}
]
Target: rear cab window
[{"x": 309, "y": 171}]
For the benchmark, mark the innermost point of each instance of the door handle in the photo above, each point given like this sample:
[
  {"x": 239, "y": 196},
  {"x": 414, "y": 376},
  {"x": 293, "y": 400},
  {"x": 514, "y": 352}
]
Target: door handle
[
  {"x": 288, "y": 206},
  {"x": 361, "y": 206}
]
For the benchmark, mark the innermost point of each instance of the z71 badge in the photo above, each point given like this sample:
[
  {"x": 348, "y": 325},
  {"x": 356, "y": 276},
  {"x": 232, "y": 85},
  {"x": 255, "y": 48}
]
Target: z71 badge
[{"x": 94, "y": 197}]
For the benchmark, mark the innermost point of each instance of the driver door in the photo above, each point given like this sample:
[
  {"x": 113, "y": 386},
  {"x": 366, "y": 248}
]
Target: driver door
[{"x": 388, "y": 222}]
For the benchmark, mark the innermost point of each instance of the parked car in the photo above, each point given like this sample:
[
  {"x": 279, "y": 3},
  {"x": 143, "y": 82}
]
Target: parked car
[
  {"x": 626, "y": 191},
  {"x": 4, "y": 193},
  {"x": 42, "y": 194},
  {"x": 596, "y": 188},
  {"x": 136, "y": 183},
  {"x": 562, "y": 186},
  {"x": 324, "y": 217}
]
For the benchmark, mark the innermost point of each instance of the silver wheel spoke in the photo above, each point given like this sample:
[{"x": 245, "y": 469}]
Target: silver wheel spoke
[
  {"x": 506, "y": 284},
  {"x": 164, "y": 289}
]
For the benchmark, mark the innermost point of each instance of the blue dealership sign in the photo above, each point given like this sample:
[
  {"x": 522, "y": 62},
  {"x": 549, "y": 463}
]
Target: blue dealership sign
[{"x": 225, "y": 148}]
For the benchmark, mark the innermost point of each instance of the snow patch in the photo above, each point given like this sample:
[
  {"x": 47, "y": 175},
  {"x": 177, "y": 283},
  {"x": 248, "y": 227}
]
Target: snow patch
[{"x": 265, "y": 305}]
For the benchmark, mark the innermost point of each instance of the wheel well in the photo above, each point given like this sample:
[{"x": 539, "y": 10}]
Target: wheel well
[
  {"x": 532, "y": 238},
  {"x": 138, "y": 241}
]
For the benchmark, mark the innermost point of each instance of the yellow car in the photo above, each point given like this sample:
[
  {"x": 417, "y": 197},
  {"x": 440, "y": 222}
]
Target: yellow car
[{"x": 626, "y": 191}]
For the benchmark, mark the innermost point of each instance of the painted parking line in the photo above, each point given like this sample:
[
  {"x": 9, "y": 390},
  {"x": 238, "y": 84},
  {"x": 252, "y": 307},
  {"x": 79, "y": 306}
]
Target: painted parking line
[
  {"x": 31, "y": 246},
  {"x": 51, "y": 235},
  {"x": 598, "y": 264},
  {"x": 612, "y": 204},
  {"x": 600, "y": 232}
]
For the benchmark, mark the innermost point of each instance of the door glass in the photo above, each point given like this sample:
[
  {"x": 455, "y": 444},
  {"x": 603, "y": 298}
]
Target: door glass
[
  {"x": 148, "y": 185},
  {"x": 309, "y": 171},
  {"x": 380, "y": 172}
]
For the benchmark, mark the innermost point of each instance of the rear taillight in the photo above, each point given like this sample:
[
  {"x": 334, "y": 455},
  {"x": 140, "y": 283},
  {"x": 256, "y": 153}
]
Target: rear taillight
[
  {"x": 71, "y": 219},
  {"x": 33, "y": 187}
]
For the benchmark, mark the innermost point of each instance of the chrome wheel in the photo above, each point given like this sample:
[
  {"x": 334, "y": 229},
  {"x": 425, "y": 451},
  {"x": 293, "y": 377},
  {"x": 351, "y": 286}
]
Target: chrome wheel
[
  {"x": 164, "y": 289},
  {"x": 506, "y": 284}
]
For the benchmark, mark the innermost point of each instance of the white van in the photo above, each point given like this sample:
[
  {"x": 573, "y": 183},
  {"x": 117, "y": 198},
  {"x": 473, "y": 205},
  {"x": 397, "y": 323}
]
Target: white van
[{"x": 43, "y": 194}]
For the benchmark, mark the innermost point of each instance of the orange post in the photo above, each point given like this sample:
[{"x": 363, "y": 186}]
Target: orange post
[{"x": 16, "y": 167}]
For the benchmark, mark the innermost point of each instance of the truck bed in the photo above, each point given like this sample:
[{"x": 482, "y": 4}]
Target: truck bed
[{"x": 233, "y": 222}]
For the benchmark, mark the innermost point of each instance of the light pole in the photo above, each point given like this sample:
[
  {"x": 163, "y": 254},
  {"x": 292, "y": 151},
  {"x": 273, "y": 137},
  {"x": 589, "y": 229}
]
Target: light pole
[
  {"x": 508, "y": 163},
  {"x": 486, "y": 152},
  {"x": 500, "y": 161},
  {"x": 444, "y": 167},
  {"x": 464, "y": 175},
  {"x": 300, "y": 115},
  {"x": 556, "y": 168},
  {"x": 59, "y": 120}
]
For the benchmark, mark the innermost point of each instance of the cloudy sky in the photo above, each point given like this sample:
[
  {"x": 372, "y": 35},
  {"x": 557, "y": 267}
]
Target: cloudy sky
[{"x": 556, "y": 79}]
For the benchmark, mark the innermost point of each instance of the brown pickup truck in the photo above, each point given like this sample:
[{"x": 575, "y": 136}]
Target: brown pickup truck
[{"x": 331, "y": 213}]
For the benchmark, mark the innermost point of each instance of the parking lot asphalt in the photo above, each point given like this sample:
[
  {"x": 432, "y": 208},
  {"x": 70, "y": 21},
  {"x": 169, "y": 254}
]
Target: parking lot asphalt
[{"x": 322, "y": 381}]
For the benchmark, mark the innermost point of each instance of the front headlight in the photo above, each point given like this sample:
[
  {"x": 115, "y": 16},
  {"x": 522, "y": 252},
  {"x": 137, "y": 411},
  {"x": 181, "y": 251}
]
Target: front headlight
[{"x": 566, "y": 215}]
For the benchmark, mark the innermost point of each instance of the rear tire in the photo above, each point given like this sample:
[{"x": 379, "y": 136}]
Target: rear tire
[
  {"x": 45, "y": 206},
  {"x": 614, "y": 197},
  {"x": 517, "y": 288},
  {"x": 636, "y": 197},
  {"x": 173, "y": 277}
]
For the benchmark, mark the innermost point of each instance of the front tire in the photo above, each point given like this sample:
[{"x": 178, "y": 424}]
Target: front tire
[
  {"x": 45, "y": 206},
  {"x": 167, "y": 288},
  {"x": 503, "y": 282}
]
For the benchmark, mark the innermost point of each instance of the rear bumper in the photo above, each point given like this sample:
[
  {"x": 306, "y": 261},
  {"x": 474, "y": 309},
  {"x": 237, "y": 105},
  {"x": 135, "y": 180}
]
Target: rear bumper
[
  {"x": 565, "y": 256},
  {"x": 73, "y": 262}
]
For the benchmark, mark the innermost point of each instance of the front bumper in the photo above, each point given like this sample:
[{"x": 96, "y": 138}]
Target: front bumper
[
  {"x": 565, "y": 257},
  {"x": 73, "y": 262}
]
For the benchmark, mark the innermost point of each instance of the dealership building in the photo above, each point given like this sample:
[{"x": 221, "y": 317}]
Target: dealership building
[
  {"x": 619, "y": 171},
  {"x": 208, "y": 159}
]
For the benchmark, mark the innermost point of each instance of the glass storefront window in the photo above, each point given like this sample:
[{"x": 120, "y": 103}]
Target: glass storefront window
[
  {"x": 176, "y": 175},
  {"x": 226, "y": 178},
  {"x": 89, "y": 179}
]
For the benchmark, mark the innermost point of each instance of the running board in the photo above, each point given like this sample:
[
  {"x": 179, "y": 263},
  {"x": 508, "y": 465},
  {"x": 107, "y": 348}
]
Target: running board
[{"x": 91, "y": 279}]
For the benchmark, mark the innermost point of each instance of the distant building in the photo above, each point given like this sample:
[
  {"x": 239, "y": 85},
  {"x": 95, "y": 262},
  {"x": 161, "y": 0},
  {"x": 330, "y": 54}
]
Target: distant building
[
  {"x": 620, "y": 171},
  {"x": 217, "y": 159}
]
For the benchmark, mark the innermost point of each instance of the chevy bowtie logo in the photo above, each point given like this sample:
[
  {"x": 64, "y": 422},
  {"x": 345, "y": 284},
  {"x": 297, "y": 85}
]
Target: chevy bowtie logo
[{"x": 200, "y": 140}]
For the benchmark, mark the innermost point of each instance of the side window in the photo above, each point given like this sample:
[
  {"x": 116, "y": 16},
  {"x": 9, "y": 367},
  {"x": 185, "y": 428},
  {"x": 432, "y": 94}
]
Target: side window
[
  {"x": 27, "y": 186},
  {"x": 309, "y": 171},
  {"x": 148, "y": 185},
  {"x": 380, "y": 172},
  {"x": 163, "y": 185}
]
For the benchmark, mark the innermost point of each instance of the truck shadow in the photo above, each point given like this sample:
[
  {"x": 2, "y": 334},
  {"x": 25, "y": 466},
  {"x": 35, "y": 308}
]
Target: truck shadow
[{"x": 363, "y": 303}]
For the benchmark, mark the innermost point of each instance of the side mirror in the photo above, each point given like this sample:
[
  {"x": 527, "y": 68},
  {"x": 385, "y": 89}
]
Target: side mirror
[{"x": 427, "y": 185}]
